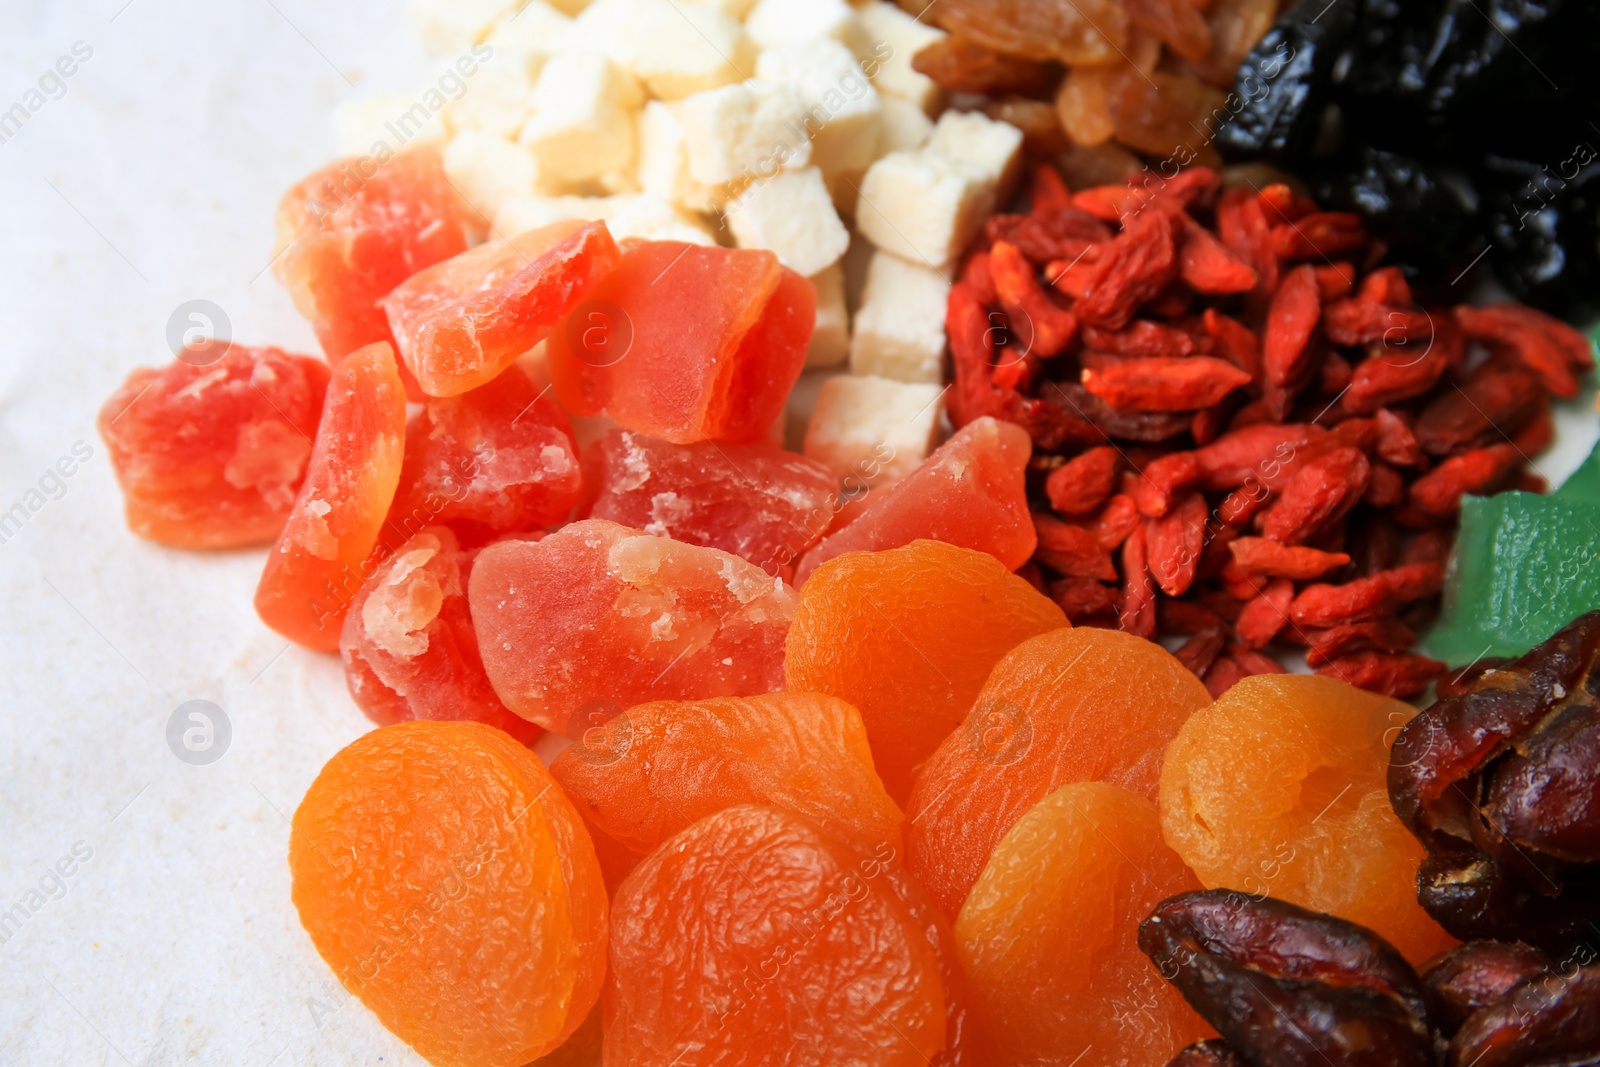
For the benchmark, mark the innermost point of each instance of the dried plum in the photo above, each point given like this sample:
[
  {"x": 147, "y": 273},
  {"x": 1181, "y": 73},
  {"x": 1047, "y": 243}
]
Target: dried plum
[
  {"x": 1502, "y": 785},
  {"x": 1288, "y": 987},
  {"x": 1285, "y": 82},
  {"x": 1208, "y": 1054}
]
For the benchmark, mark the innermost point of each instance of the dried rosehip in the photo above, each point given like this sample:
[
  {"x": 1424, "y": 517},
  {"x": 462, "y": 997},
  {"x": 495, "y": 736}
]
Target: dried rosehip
[
  {"x": 1289, "y": 987},
  {"x": 1554, "y": 1020},
  {"x": 1502, "y": 786},
  {"x": 1475, "y": 975}
]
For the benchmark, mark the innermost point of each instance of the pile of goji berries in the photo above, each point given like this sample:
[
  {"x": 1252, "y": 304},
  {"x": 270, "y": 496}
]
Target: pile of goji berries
[{"x": 1246, "y": 431}]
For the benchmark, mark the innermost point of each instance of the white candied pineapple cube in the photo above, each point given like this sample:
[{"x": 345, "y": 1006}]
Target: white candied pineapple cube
[
  {"x": 776, "y": 22},
  {"x": 688, "y": 48},
  {"x": 744, "y": 131},
  {"x": 903, "y": 126},
  {"x": 447, "y": 26},
  {"x": 842, "y": 107},
  {"x": 735, "y": 9},
  {"x": 922, "y": 207},
  {"x": 830, "y": 337},
  {"x": 792, "y": 214},
  {"x": 899, "y": 330},
  {"x": 973, "y": 138},
  {"x": 896, "y": 38},
  {"x": 872, "y": 428},
  {"x": 664, "y": 161},
  {"x": 496, "y": 100},
  {"x": 582, "y": 123},
  {"x": 488, "y": 171},
  {"x": 535, "y": 27}
]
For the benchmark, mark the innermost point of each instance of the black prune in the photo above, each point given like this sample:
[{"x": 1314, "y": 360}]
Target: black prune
[
  {"x": 1476, "y": 974},
  {"x": 1502, "y": 786},
  {"x": 1544, "y": 222},
  {"x": 1288, "y": 987},
  {"x": 1419, "y": 210}
]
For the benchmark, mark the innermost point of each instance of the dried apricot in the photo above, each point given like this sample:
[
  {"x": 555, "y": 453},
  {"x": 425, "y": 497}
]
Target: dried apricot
[
  {"x": 450, "y": 886},
  {"x": 408, "y": 646},
  {"x": 1080, "y": 705},
  {"x": 753, "y": 938},
  {"x": 211, "y": 455},
  {"x": 602, "y": 612},
  {"x": 322, "y": 556},
  {"x": 1280, "y": 789},
  {"x": 661, "y": 766},
  {"x": 908, "y": 636},
  {"x": 1049, "y": 935}
]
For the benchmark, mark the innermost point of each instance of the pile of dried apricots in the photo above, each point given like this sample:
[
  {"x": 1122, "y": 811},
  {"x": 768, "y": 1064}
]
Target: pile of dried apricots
[{"x": 865, "y": 799}]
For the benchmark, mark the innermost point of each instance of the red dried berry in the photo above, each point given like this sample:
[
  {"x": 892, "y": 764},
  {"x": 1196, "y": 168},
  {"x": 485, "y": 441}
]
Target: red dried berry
[
  {"x": 1083, "y": 483},
  {"x": 1291, "y": 322},
  {"x": 1136, "y": 609},
  {"x": 1072, "y": 550},
  {"x": 1267, "y": 614},
  {"x": 1285, "y": 561},
  {"x": 1161, "y": 384},
  {"x": 1321, "y": 492}
]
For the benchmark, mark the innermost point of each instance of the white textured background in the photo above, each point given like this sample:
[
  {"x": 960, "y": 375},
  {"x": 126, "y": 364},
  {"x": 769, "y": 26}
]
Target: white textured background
[
  {"x": 176, "y": 942},
  {"x": 152, "y": 182}
]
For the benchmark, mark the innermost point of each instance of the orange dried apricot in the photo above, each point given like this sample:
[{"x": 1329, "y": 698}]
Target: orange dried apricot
[
  {"x": 449, "y": 884},
  {"x": 1279, "y": 789},
  {"x": 323, "y": 554},
  {"x": 659, "y": 767},
  {"x": 1082, "y": 705},
  {"x": 1049, "y": 935},
  {"x": 754, "y": 938},
  {"x": 908, "y": 636}
]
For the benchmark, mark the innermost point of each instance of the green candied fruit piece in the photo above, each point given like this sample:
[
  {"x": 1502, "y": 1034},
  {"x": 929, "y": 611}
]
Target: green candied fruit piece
[
  {"x": 1584, "y": 485},
  {"x": 1524, "y": 566}
]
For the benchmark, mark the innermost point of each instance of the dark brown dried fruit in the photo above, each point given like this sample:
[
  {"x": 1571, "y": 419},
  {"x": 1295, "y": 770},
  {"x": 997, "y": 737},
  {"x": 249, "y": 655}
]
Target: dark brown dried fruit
[
  {"x": 1211, "y": 1053},
  {"x": 1289, "y": 987},
  {"x": 1088, "y": 31},
  {"x": 1552, "y": 1021},
  {"x": 1475, "y": 975},
  {"x": 1072, "y": 550},
  {"x": 965, "y": 66},
  {"x": 1502, "y": 785}
]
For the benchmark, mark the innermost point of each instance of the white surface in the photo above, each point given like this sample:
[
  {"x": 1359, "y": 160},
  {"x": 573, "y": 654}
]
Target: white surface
[{"x": 176, "y": 943}]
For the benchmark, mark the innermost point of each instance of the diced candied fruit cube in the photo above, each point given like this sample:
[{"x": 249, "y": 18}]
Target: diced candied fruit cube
[
  {"x": 408, "y": 645},
  {"x": 599, "y": 614},
  {"x": 686, "y": 343},
  {"x": 761, "y": 503},
  {"x": 498, "y": 459},
  {"x": 357, "y": 228},
  {"x": 323, "y": 554},
  {"x": 970, "y": 492},
  {"x": 210, "y": 456},
  {"x": 461, "y": 322}
]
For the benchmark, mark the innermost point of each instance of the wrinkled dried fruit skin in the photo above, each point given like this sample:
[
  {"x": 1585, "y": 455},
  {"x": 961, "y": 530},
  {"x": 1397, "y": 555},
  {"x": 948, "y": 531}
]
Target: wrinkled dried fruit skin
[
  {"x": 349, "y": 238},
  {"x": 748, "y": 939},
  {"x": 459, "y": 323},
  {"x": 498, "y": 459},
  {"x": 964, "y": 66},
  {"x": 1164, "y": 384},
  {"x": 758, "y": 502},
  {"x": 969, "y": 492},
  {"x": 211, "y": 456},
  {"x": 1071, "y": 550},
  {"x": 1084, "y": 482},
  {"x": 1167, "y": 115},
  {"x": 322, "y": 556},
  {"x": 1289, "y": 986},
  {"x": 1494, "y": 400},
  {"x": 1047, "y": 935},
  {"x": 908, "y": 636},
  {"x": 450, "y": 885},
  {"x": 1213, "y": 1053},
  {"x": 1500, "y": 784},
  {"x": 602, "y": 612},
  {"x": 1475, "y": 975},
  {"x": 1321, "y": 492},
  {"x": 1554, "y": 1020},
  {"x": 1278, "y": 789},
  {"x": 1089, "y": 32},
  {"x": 1078, "y": 705},
  {"x": 1134, "y": 266},
  {"x": 661, "y": 766},
  {"x": 1551, "y": 349},
  {"x": 408, "y": 645}
]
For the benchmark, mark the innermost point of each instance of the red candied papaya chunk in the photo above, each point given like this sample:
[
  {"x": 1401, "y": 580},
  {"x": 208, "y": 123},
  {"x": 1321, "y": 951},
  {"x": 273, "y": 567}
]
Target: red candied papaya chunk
[
  {"x": 970, "y": 492},
  {"x": 322, "y": 555},
  {"x": 498, "y": 459},
  {"x": 408, "y": 645},
  {"x": 599, "y": 617},
  {"x": 357, "y": 228},
  {"x": 461, "y": 322},
  {"x": 686, "y": 343},
  {"x": 761, "y": 503},
  {"x": 211, "y": 456}
]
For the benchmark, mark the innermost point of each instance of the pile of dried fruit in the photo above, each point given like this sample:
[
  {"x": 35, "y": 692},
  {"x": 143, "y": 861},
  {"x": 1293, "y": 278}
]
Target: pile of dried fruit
[
  {"x": 1224, "y": 389},
  {"x": 1096, "y": 85}
]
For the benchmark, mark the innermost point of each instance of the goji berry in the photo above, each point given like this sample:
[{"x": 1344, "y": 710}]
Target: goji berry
[
  {"x": 1254, "y": 662},
  {"x": 1395, "y": 674},
  {"x": 1318, "y": 235},
  {"x": 1132, "y": 268},
  {"x": 1158, "y": 383},
  {"x": 1173, "y": 544},
  {"x": 1335, "y": 280},
  {"x": 1234, "y": 341},
  {"x": 1143, "y": 338},
  {"x": 1080, "y": 598},
  {"x": 1264, "y": 616},
  {"x": 1291, "y": 321},
  {"x": 1383, "y": 635},
  {"x": 1551, "y": 349},
  {"x": 1242, "y": 225},
  {"x": 1386, "y": 285},
  {"x": 1043, "y": 236},
  {"x": 1115, "y": 522},
  {"x": 1082, "y": 484},
  {"x": 1358, "y": 321},
  {"x": 1495, "y": 399},
  {"x": 1072, "y": 550},
  {"x": 1224, "y": 674},
  {"x": 1285, "y": 561},
  {"x": 1046, "y": 328},
  {"x": 1283, "y": 204},
  {"x": 1201, "y": 650},
  {"x": 1264, "y": 453},
  {"x": 1207, "y": 265},
  {"x": 1163, "y": 478},
  {"x": 1371, "y": 597},
  {"x": 1439, "y": 491},
  {"x": 1185, "y": 617},
  {"x": 1323, "y": 490},
  {"x": 1048, "y": 191},
  {"x": 1136, "y": 608},
  {"x": 1391, "y": 374},
  {"x": 1385, "y": 488},
  {"x": 1397, "y": 444},
  {"x": 976, "y": 275}
]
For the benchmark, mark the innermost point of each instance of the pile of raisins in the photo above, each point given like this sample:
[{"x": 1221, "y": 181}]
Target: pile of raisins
[
  {"x": 1501, "y": 782},
  {"x": 1461, "y": 128}
]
